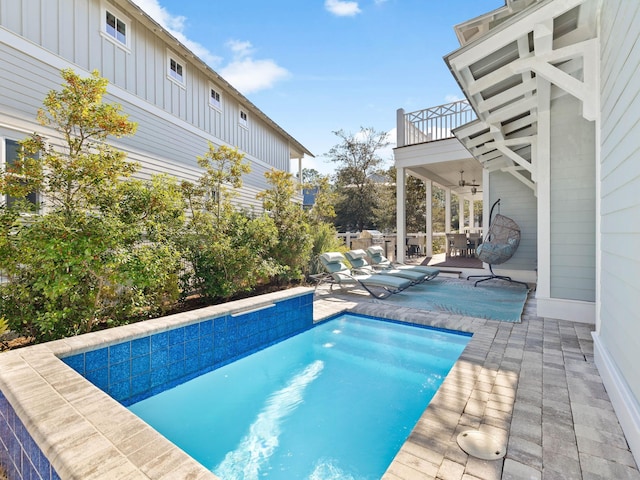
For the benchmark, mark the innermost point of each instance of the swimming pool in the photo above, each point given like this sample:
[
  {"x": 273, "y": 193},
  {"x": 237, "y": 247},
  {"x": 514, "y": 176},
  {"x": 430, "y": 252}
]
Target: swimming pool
[{"x": 336, "y": 401}]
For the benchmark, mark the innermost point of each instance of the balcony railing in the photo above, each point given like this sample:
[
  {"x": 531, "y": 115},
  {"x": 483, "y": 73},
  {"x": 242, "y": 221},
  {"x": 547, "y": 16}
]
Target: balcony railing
[{"x": 431, "y": 124}]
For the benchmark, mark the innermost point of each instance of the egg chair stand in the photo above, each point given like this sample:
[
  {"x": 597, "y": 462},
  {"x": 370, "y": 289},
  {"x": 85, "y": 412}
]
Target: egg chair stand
[{"x": 500, "y": 243}]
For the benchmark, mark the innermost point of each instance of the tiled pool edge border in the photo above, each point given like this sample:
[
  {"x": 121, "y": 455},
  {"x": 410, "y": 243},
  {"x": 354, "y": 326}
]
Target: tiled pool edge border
[{"x": 82, "y": 431}]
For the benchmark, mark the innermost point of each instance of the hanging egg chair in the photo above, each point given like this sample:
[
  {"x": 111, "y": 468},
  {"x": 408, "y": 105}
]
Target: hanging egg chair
[{"x": 498, "y": 246}]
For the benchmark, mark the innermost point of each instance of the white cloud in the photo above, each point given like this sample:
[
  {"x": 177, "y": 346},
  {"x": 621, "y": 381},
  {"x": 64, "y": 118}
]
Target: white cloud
[
  {"x": 245, "y": 73},
  {"x": 452, "y": 98},
  {"x": 239, "y": 48},
  {"x": 342, "y": 8},
  {"x": 174, "y": 24},
  {"x": 387, "y": 153},
  {"x": 249, "y": 75}
]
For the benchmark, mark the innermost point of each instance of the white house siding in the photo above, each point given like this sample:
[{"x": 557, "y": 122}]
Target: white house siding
[
  {"x": 24, "y": 81},
  {"x": 618, "y": 336},
  {"x": 573, "y": 202},
  {"x": 518, "y": 203},
  {"x": 174, "y": 122}
]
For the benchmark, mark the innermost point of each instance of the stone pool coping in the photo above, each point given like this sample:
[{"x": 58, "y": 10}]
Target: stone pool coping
[
  {"x": 453, "y": 409},
  {"x": 85, "y": 433},
  {"x": 533, "y": 385},
  {"x": 473, "y": 396}
]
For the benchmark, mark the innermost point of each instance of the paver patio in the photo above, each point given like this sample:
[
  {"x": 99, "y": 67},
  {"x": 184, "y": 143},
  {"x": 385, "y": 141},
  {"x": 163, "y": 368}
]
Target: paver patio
[{"x": 532, "y": 385}]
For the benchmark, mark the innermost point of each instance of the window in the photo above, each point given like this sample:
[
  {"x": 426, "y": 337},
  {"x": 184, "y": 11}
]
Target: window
[
  {"x": 11, "y": 150},
  {"x": 115, "y": 27},
  {"x": 214, "y": 98},
  {"x": 176, "y": 70},
  {"x": 243, "y": 118}
]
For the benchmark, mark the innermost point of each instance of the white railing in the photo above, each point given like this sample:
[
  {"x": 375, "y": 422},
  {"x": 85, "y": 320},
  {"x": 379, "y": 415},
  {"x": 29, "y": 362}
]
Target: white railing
[
  {"x": 388, "y": 242},
  {"x": 431, "y": 124}
]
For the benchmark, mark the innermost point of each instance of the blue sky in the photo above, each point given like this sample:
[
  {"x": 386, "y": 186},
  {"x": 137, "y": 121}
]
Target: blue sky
[{"x": 317, "y": 66}]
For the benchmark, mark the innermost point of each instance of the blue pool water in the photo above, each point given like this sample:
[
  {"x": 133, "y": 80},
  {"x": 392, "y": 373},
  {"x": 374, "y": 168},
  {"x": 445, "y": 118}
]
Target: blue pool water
[{"x": 335, "y": 402}]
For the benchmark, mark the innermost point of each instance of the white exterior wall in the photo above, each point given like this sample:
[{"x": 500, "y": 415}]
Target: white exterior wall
[
  {"x": 174, "y": 122},
  {"x": 617, "y": 339},
  {"x": 519, "y": 204},
  {"x": 573, "y": 202}
]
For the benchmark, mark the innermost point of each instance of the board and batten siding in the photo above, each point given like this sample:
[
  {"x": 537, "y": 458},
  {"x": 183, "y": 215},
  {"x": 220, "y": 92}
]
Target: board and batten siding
[
  {"x": 519, "y": 204},
  {"x": 619, "y": 325},
  {"x": 71, "y": 29},
  {"x": 158, "y": 145},
  {"x": 573, "y": 202}
]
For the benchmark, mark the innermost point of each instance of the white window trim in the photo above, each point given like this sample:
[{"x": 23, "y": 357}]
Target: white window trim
[
  {"x": 212, "y": 104},
  {"x": 172, "y": 56},
  {"x": 244, "y": 123},
  {"x": 119, "y": 16},
  {"x": 4, "y": 162}
]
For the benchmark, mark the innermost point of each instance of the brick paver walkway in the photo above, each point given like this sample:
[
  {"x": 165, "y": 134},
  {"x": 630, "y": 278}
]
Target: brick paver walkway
[{"x": 532, "y": 385}]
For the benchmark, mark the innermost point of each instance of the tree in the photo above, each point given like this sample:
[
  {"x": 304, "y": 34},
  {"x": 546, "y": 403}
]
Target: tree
[
  {"x": 229, "y": 251},
  {"x": 80, "y": 262},
  {"x": 323, "y": 209},
  {"x": 311, "y": 177},
  {"x": 223, "y": 169},
  {"x": 385, "y": 209},
  {"x": 85, "y": 170},
  {"x": 358, "y": 158},
  {"x": 293, "y": 248}
]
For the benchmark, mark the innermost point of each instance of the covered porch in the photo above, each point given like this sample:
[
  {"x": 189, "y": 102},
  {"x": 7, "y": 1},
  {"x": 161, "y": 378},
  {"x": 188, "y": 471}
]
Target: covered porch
[{"x": 428, "y": 150}]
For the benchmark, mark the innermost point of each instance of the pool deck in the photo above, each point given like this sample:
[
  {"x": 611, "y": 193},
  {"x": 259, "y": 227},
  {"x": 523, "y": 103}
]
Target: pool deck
[{"x": 533, "y": 386}]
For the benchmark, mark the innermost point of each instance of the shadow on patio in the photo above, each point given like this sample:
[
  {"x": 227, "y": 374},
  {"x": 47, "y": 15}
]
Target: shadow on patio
[{"x": 531, "y": 385}]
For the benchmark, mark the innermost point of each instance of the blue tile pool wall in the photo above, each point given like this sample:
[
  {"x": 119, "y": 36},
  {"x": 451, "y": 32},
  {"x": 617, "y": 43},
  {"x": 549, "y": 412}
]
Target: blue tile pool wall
[
  {"x": 19, "y": 454},
  {"x": 137, "y": 369}
]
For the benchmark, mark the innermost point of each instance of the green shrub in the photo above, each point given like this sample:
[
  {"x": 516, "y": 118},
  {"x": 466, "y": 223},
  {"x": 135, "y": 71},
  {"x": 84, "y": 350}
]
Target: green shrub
[
  {"x": 86, "y": 260},
  {"x": 148, "y": 282},
  {"x": 324, "y": 239},
  {"x": 4, "y": 328},
  {"x": 229, "y": 260},
  {"x": 293, "y": 246}
]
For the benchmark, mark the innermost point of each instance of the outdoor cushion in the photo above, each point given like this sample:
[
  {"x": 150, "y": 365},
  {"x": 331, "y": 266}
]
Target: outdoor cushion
[
  {"x": 357, "y": 260},
  {"x": 383, "y": 264},
  {"x": 340, "y": 274},
  {"x": 332, "y": 256}
]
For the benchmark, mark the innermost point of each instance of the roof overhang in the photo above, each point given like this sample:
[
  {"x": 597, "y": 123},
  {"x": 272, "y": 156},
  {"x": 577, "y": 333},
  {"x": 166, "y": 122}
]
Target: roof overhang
[
  {"x": 512, "y": 72},
  {"x": 445, "y": 163}
]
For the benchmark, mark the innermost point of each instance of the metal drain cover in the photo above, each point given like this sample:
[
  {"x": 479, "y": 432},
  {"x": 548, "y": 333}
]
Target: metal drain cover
[{"x": 481, "y": 445}]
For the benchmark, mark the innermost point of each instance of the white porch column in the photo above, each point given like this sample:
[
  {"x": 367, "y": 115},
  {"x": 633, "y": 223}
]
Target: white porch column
[
  {"x": 401, "y": 225},
  {"x": 472, "y": 224},
  {"x": 541, "y": 151},
  {"x": 460, "y": 214},
  {"x": 300, "y": 174},
  {"x": 428, "y": 247},
  {"x": 400, "y": 128},
  {"x": 486, "y": 202},
  {"x": 447, "y": 211},
  {"x": 447, "y": 217}
]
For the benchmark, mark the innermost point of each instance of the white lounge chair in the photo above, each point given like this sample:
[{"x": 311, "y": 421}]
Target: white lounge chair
[
  {"x": 382, "y": 263},
  {"x": 358, "y": 260},
  {"x": 377, "y": 285}
]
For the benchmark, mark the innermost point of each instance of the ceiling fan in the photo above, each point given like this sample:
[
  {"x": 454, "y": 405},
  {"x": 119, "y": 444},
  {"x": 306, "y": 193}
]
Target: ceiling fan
[{"x": 463, "y": 183}]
